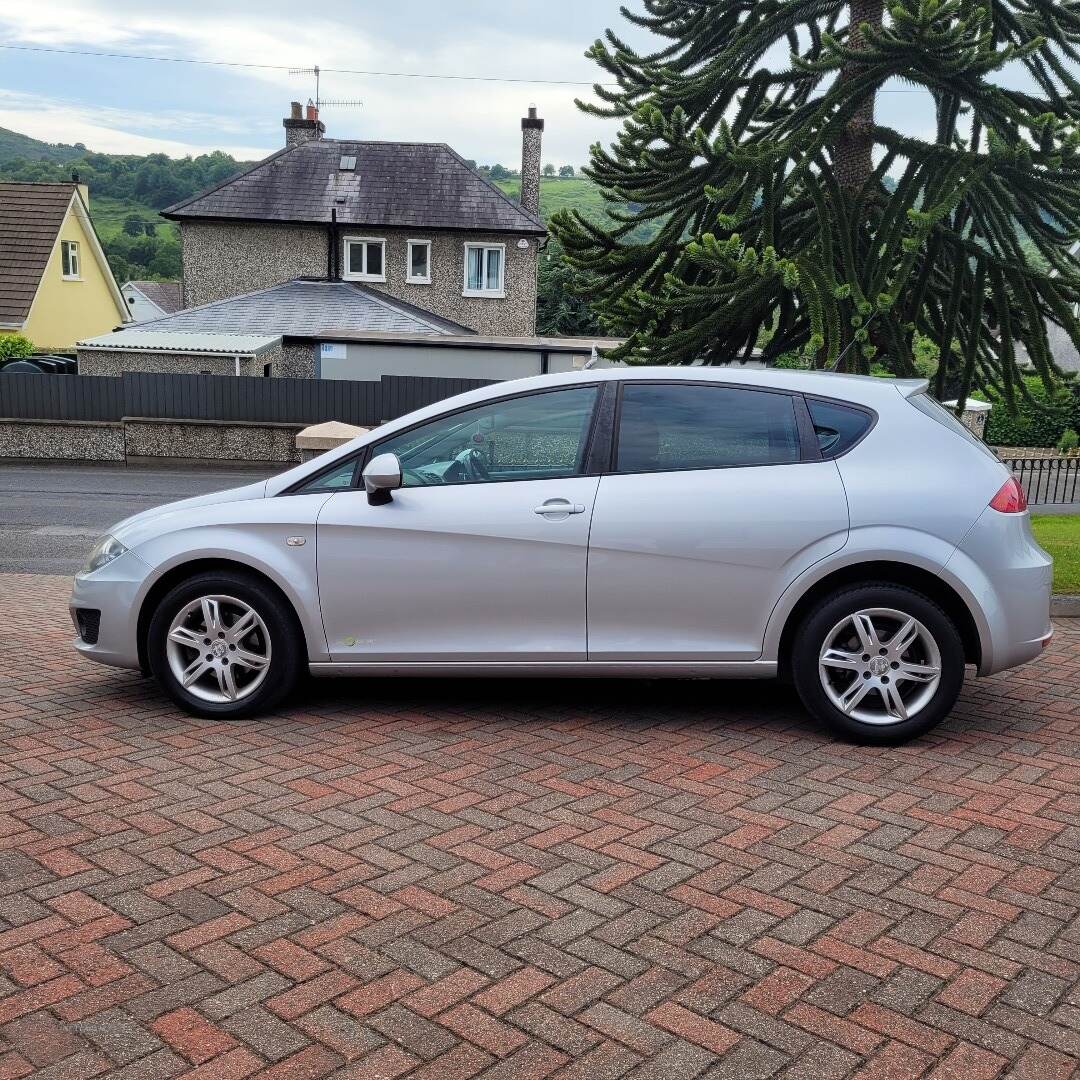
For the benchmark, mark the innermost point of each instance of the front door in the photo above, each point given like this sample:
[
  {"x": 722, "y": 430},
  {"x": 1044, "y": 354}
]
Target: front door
[
  {"x": 481, "y": 555},
  {"x": 709, "y": 513}
]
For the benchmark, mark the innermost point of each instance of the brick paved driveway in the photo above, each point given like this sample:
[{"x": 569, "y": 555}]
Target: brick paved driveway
[{"x": 520, "y": 880}]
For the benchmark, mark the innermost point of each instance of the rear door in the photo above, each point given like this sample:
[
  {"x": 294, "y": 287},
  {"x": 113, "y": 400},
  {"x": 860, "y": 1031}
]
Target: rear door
[{"x": 716, "y": 500}]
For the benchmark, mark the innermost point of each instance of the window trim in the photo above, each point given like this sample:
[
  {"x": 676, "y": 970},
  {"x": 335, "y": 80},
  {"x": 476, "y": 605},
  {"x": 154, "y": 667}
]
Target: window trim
[
  {"x": 350, "y": 275},
  {"x": 793, "y": 395},
  {"x": 491, "y": 294},
  {"x": 70, "y": 246},
  {"x": 409, "y": 278}
]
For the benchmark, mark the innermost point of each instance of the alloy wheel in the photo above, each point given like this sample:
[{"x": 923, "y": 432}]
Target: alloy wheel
[
  {"x": 218, "y": 649},
  {"x": 880, "y": 666}
]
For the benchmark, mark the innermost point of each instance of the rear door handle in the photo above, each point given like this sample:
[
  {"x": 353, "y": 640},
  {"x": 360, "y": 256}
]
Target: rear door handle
[{"x": 559, "y": 508}]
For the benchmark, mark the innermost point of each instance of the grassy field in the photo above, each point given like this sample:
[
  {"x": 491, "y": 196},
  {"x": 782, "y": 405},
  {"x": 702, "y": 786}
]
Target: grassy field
[
  {"x": 1060, "y": 535},
  {"x": 108, "y": 215},
  {"x": 562, "y": 194}
]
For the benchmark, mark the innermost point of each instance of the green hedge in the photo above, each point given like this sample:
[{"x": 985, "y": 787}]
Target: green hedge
[{"x": 1033, "y": 425}]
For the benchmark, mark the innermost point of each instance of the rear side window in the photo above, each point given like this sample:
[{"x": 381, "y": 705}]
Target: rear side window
[
  {"x": 663, "y": 427},
  {"x": 926, "y": 404},
  {"x": 838, "y": 427}
]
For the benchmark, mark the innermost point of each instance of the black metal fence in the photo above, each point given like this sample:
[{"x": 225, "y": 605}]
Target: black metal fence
[
  {"x": 1048, "y": 480},
  {"x": 233, "y": 399}
]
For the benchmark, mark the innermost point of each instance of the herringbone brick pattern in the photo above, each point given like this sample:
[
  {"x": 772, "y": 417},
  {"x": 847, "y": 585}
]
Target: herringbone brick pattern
[{"x": 529, "y": 880}]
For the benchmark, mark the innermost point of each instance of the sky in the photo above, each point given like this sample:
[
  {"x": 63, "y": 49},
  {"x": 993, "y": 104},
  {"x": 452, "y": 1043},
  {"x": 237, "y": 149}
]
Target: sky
[
  {"x": 130, "y": 106},
  {"x": 134, "y": 106}
]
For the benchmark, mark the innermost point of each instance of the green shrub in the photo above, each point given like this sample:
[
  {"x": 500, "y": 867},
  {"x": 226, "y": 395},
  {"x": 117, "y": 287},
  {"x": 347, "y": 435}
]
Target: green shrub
[
  {"x": 12, "y": 346},
  {"x": 1041, "y": 423},
  {"x": 791, "y": 361},
  {"x": 1069, "y": 440}
]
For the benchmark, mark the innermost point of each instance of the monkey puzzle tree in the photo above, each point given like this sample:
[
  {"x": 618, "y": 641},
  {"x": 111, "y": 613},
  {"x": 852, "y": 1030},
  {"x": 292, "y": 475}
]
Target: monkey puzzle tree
[{"x": 783, "y": 212}]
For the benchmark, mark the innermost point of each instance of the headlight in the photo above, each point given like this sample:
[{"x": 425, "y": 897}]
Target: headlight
[{"x": 108, "y": 548}]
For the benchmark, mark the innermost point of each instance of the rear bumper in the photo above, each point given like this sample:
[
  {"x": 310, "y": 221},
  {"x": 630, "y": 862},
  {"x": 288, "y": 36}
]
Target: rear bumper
[{"x": 1010, "y": 577}]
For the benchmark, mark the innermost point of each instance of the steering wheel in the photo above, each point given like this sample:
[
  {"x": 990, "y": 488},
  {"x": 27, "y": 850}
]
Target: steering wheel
[{"x": 474, "y": 462}]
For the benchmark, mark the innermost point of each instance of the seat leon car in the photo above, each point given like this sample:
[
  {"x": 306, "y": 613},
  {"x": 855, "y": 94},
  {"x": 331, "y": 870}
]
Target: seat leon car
[{"x": 846, "y": 533}]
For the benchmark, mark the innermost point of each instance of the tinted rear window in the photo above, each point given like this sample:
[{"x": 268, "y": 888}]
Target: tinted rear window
[
  {"x": 946, "y": 417},
  {"x": 690, "y": 426},
  {"x": 838, "y": 427}
]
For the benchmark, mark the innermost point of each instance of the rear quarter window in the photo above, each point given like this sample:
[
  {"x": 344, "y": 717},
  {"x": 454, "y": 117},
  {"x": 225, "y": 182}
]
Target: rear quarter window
[
  {"x": 936, "y": 411},
  {"x": 837, "y": 427}
]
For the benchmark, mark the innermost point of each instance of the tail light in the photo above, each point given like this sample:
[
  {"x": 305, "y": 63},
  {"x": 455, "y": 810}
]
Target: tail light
[{"x": 1010, "y": 499}]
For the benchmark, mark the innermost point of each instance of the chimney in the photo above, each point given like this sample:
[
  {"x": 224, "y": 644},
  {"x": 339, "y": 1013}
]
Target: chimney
[
  {"x": 84, "y": 189},
  {"x": 532, "y": 133},
  {"x": 300, "y": 128}
]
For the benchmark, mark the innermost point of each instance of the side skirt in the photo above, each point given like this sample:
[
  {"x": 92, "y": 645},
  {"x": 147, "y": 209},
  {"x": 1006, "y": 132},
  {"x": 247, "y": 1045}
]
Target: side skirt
[{"x": 630, "y": 669}]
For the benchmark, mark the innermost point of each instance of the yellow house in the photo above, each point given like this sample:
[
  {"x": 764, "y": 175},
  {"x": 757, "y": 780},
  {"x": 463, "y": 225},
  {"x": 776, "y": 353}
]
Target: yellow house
[{"x": 55, "y": 283}]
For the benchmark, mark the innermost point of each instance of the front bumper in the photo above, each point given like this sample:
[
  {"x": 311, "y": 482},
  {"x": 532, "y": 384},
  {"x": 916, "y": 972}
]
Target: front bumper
[{"x": 114, "y": 592}]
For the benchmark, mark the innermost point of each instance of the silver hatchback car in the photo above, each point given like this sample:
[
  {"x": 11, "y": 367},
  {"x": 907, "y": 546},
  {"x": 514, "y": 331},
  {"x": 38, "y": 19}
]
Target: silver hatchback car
[{"x": 847, "y": 533}]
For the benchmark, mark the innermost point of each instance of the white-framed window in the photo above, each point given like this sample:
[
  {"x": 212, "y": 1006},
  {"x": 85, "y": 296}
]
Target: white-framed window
[
  {"x": 418, "y": 262},
  {"x": 69, "y": 259},
  {"x": 484, "y": 269},
  {"x": 365, "y": 258}
]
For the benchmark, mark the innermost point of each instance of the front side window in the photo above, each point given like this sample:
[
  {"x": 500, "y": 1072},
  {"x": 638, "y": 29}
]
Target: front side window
[
  {"x": 664, "y": 427},
  {"x": 335, "y": 479},
  {"x": 365, "y": 259},
  {"x": 418, "y": 269},
  {"x": 538, "y": 437},
  {"x": 484, "y": 269},
  {"x": 69, "y": 258}
]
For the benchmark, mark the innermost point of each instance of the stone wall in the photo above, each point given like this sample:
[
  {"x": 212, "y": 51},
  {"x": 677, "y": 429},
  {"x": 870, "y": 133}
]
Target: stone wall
[
  {"x": 136, "y": 438},
  {"x": 223, "y": 259},
  {"x": 110, "y": 362},
  {"x": 210, "y": 439},
  {"x": 61, "y": 440}
]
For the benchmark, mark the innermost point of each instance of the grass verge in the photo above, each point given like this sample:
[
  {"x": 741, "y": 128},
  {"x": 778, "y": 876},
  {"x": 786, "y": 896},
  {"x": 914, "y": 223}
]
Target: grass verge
[{"x": 1060, "y": 535}]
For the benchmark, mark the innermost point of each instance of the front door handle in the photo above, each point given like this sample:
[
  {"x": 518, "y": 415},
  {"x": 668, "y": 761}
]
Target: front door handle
[{"x": 558, "y": 508}]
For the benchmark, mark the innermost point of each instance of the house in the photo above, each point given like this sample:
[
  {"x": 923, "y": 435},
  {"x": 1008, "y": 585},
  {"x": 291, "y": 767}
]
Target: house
[
  {"x": 412, "y": 221},
  {"x": 348, "y": 259},
  {"x": 55, "y": 283},
  {"x": 152, "y": 299}
]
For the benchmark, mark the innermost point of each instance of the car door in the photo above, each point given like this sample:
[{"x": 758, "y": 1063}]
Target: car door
[
  {"x": 481, "y": 554},
  {"x": 708, "y": 513}
]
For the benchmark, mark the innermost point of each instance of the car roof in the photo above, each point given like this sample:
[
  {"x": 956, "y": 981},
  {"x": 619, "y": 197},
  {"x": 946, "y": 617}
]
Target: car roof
[{"x": 861, "y": 389}]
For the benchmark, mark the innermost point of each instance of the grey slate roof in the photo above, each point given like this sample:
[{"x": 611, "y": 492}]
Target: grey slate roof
[
  {"x": 303, "y": 308},
  {"x": 168, "y": 295},
  {"x": 410, "y": 185},
  {"x": 30, "y": 218}
]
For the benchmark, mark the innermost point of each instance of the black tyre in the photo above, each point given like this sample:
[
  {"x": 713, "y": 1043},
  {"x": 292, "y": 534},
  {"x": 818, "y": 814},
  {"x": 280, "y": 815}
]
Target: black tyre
[
  {"x": 879, "y": 663},
  {"x": 225, "y": 645}
]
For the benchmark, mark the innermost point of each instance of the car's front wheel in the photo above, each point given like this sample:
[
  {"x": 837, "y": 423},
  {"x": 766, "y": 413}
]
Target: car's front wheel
[
  {"x": 878, "y": 662},
  {"x": 224, "y": 645}
]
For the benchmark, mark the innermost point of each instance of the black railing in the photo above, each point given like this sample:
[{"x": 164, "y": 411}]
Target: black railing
[
  {"x": 1048, "y": 480},
  {"x": 226, "y": 398}
]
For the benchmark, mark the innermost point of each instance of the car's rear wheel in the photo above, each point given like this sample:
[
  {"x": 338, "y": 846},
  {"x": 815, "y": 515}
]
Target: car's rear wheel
[
  {"x": 878, "y": 662},
  {"x": 224, "y": 645}
]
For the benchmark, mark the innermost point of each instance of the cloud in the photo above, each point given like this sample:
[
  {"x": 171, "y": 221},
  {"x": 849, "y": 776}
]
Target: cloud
[{"x": 107, "y": 130}]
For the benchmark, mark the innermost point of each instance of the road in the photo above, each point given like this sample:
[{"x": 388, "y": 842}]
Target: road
[{"x": 50, "y": 515}]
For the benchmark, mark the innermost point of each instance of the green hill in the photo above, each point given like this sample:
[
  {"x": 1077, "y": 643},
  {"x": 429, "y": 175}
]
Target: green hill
[
  {"x": 15, "y": 145},
  {"x": 558, "y": 193}
]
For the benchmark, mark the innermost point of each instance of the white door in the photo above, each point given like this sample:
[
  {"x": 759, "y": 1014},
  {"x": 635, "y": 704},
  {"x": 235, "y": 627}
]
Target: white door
[
  {"x": 710, "y": 512},
  {"x": 481, "y": 555}
]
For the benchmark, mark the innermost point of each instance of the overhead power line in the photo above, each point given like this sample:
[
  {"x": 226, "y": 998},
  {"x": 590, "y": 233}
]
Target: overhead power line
[
  {"x": 336, "y": 71},
  {"x": 292, "y": 67}
]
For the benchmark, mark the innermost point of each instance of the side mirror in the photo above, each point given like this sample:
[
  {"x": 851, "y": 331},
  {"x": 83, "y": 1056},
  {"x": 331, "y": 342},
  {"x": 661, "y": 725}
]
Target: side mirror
[{"x": 381, "y": 476}]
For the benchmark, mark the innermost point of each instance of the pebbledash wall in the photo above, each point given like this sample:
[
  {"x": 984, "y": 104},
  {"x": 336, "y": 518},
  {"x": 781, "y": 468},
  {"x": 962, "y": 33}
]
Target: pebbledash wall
[
  {"x": 136, "y": 438},
  {"x": 116, "y": 362},
  {"x": 223, "y": 259}
]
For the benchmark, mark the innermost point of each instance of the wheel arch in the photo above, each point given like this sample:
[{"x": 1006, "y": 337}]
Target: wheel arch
[
  {"x": 181, "y": 572},
  {"x": 891, "y": 572}
]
